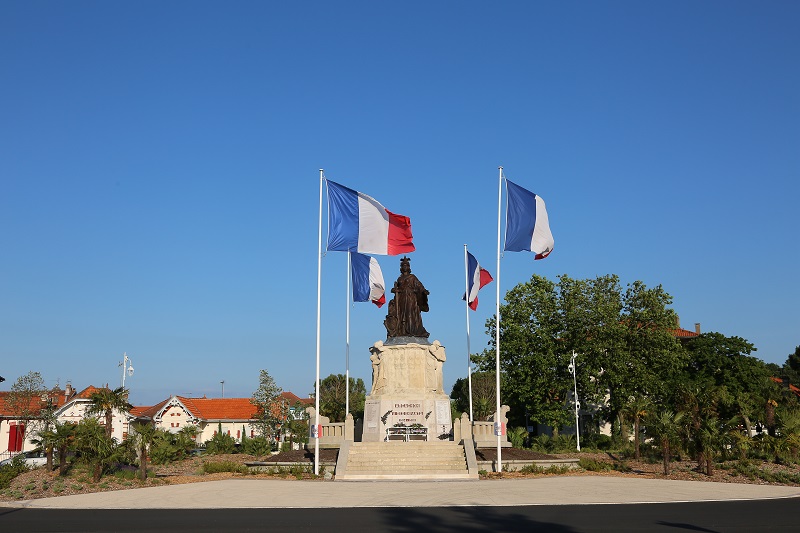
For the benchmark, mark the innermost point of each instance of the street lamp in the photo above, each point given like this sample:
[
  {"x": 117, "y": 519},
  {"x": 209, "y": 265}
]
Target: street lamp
[
  {"x": 572, "y": 368},
  {"x": 127, "y": 367}
]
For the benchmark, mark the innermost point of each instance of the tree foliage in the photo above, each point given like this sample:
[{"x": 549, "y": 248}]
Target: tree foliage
[
  {"x": 105, "y": 401},
  {"x": 27, "y": 395},
  {"x": 332, "y": 399},
  {"x": 271, "y": 410},
  {"x": 622, "y": 338},
  {"x": 483, "y": 395}
]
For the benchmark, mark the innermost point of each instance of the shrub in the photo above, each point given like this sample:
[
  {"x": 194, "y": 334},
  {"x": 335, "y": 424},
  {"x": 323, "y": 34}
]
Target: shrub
[
  {"x": 598, "y": 441},
  {"x": 517, "y": 436},
  {"x": 9, "y": 471},
  {"x": 224, "y": 466},
  {"x": 257, "y": 446},
  {"x": 168, "y": 447},
  {"x": 593, "y": 465},
  {"x": 221, "y": 443}
]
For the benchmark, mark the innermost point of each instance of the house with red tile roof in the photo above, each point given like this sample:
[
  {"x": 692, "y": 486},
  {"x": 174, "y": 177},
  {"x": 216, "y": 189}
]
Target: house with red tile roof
[
  {"x": 70, "y": 405},
  {"x": 234, "y": 416}
]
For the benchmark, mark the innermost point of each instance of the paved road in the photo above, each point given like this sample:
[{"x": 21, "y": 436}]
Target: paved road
[{"x": 736, "y": 517}]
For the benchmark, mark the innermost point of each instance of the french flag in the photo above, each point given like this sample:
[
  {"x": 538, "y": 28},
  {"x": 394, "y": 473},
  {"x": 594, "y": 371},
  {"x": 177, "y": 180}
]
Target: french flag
[
  {"x": 368, "y": 285},
  {"x": 359, "y": 223},
  {"x": 477, "y": 277},
  {"x": 527, "y": 226}
]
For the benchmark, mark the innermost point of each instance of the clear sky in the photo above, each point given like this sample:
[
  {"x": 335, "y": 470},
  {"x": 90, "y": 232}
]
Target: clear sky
[{"x": 159, "y": 172}]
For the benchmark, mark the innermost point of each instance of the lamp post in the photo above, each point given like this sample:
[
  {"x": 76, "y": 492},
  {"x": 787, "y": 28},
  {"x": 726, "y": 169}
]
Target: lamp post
[
  {"x": 572, "y": 369},
  {"x": 127, "y": 367}
]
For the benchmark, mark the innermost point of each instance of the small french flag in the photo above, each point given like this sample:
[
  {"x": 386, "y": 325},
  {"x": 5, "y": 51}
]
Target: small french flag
[
  {"x": 359, "y": 223},
  {"x": 368, "y": 285},
  {"x": 527, "y": 225},
  {"x": 477, "y": 277}
]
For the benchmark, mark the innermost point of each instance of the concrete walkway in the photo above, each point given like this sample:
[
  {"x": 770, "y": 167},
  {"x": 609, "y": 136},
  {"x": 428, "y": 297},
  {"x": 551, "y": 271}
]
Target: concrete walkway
[{"x": 267, "y": 493}]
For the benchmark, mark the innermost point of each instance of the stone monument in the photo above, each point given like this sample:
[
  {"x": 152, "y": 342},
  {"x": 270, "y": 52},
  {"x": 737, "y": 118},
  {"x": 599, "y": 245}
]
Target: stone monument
[{"x": 407, "y": 400}]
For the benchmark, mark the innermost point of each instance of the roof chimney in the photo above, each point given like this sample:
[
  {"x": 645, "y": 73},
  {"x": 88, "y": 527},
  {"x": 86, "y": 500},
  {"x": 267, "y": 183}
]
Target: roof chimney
[
  {"x": 697, "y": 327},
  {"x": 68, "y": 391},
  {"x": 677, "y": 321}
]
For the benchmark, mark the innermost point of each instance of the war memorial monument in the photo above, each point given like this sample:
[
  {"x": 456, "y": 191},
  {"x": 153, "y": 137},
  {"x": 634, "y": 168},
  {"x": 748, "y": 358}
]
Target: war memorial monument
[{"x": 407, "y": 400}]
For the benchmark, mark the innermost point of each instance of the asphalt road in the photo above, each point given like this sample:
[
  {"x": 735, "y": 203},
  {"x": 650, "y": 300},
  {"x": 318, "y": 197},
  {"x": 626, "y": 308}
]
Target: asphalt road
[{"x": 737, "y": 516}]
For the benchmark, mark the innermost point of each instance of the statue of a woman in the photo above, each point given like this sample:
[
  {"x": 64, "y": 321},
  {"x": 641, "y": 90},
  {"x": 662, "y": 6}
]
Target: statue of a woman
[{"x": 410, "y": 300}]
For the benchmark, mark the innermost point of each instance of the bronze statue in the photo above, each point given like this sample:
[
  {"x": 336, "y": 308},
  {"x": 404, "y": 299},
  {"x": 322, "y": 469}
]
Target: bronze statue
[{"x": 410, "y": 299}]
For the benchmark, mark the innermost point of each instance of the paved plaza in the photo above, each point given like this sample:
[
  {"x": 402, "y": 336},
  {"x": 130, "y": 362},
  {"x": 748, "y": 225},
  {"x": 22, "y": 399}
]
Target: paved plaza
[{"x": 261, "y": 493}]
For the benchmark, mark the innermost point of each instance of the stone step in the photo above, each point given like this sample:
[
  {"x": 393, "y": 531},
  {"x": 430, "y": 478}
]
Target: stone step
[
  {"x": 378, "y": 466},
  {"x": 405, "y": 460}
]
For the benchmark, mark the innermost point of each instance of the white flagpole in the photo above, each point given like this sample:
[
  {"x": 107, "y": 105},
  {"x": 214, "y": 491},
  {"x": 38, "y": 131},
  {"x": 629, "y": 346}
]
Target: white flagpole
[
  {"x": 498, "y": 429},
  {"x": 466, "y": 298},
  {"x": 319, "y": 305},
  {"x": 347, "y": 342}
]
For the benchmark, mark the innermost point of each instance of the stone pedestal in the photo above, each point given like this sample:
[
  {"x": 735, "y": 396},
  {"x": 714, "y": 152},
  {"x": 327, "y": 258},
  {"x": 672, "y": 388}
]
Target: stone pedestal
[{"x": 407, "y": 389}]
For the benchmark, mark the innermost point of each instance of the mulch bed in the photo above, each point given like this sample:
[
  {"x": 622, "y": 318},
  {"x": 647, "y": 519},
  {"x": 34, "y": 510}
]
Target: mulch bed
[
  {"x": 511, "y": 454},
  {"x": 302, "y": 456}
]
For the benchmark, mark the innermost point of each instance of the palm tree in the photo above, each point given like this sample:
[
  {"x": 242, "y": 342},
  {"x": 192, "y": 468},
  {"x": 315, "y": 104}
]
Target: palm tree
[
  {"x": 95, "y": 446},
  {"x": 63, "y": 439},
  {"x": 104, "y": 401},
  {"x": 636, "y": 408},
  {"x": 144, "y": 435},
  {"x": 45, "y": 440},
  {"x": 666, "y": 428},
  {"x": 711, "y": 440}
]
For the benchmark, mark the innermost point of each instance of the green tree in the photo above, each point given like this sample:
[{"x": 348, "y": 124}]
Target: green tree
[
  {"x": 271, "y": 410},
  {"x": 30, "y": 402},
  {"x": 95, "y": 447},
  {"x": 649, "y": 358},
  {"x": 532, "y": 359},
  {"x": 665, "y": 427},
  {"x": 624, "y": 342},
  {"x": 63, "y": 441},
  {"x": 636, "y": 409},
  {"x": 104, "y": 401},
  {"x": 791, "y": 368},
  {"x": 144, "y": 434},
  {"x": 483, "y": 395},
  {"x": 332, "y": 397}
]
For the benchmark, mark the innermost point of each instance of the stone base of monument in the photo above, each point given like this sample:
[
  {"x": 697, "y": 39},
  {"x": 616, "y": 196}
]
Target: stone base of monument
[{"x": 407, "y": 402}]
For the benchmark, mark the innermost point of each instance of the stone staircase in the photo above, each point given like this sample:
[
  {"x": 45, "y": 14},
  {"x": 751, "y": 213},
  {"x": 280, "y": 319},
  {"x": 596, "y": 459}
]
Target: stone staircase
[{"x": 398, "y": 460}]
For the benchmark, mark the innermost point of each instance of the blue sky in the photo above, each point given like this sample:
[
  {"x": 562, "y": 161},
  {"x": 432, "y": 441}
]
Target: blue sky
[{"x": 159, "y": 165}]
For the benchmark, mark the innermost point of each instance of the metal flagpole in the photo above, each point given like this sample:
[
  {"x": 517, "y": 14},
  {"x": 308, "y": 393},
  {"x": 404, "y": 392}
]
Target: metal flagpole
[
  {"x": 315, "y": 431},
  {"x": 466, "y": 298},
  {"x": 347, "y": 342},
  {"x": 497, "y": 424}
]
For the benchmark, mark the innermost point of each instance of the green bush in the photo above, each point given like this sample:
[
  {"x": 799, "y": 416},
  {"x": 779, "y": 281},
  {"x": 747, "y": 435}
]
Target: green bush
[
  {"x": 552, "y": 469},
  {"x": 9, "y": 471},
  {"x": 597, "y": 441},
  {"x": 257, "y": 446},
  {"x": 517, "y": 436},
  {"x": 168, "y": 447},
  {"x": 593, "y": 465},
  {"x": 224, "y": 466},
  {"x": 220, "y": 444}
]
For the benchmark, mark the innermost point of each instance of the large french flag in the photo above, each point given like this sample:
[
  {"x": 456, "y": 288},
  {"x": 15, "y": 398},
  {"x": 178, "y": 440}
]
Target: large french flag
[
  {"x": 359, "y": 223},
  {"x": 527, "y": 225},
  {"x": 368, "y": 285},
  {"x": 477, "y": 277}
]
